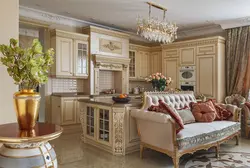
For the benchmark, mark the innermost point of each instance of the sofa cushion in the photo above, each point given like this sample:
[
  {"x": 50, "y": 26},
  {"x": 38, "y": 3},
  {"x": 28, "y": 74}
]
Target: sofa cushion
[
  {"x": 186, "y": 116},
  {"x": 202, "y": 133},
  {"x": 203, "y": 111},
  {"x": 173, "y": 113}
]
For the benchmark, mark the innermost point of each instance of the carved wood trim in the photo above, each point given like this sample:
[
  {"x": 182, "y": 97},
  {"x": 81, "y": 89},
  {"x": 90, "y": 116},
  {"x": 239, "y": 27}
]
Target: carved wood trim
[
  {"x": 197, "y": 42},
  {"x": 111, "y": 60}
]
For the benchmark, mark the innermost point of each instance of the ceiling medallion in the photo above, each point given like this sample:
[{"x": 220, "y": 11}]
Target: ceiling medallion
[{"x": 153, "y": 29}]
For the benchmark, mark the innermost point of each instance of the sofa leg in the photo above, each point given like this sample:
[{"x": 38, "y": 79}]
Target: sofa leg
[
  {"x": 176, "y": 161},
  {"x": 237, "y": 139},
  {"x": 217, "y": 149},
  {"x": 141, "y": 151}
]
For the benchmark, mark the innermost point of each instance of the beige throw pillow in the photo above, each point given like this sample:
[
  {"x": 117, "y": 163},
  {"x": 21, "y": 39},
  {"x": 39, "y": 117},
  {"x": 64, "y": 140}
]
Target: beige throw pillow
[{"x": 186, "y": 116}]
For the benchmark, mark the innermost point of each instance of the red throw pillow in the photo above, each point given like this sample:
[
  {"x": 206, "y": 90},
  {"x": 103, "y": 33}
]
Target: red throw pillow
[
  {"x": 203, "y": 111},
  {"x": 174, "y": 114},
  {"x": 222, "y": 113}
]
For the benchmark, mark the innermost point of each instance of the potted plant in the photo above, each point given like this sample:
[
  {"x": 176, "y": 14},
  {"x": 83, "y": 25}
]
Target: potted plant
[
  {"x": 159, "y": 81},
  {"x": 29, "y": 68}
]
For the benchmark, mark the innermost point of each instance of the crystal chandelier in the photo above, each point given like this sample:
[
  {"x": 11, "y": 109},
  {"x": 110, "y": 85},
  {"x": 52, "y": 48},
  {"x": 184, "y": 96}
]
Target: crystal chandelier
[{"x": 153, "y": 29}]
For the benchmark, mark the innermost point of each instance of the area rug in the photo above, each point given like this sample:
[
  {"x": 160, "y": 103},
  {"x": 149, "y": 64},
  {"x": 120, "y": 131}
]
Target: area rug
[{"x": 208, "y": 160}]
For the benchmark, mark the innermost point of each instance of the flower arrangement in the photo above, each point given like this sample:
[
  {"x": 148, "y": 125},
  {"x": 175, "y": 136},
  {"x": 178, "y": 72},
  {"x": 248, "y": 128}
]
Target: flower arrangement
[
  {"x": 28, "y": 67},
  {"x": 159, "y": 81}
]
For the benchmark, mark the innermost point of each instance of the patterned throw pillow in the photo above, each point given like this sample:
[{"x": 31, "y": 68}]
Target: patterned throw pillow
[
  {"x": 203, "y": 111},
  {"x": 186, "y": 116},
  {"x": 154, "y": 108},
  {"x": 174, "y": 114},
  {"x": 222, "y": 113}
]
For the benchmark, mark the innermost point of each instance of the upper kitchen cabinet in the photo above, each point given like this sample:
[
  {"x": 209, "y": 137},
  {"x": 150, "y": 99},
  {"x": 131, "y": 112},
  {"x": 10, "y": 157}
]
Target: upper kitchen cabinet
[
  {"x": 187, "y": 56},
  {"x": 155, "y": 60},
  {"x": 143, "y": 61},
  {"x": 71, "y": 54}
]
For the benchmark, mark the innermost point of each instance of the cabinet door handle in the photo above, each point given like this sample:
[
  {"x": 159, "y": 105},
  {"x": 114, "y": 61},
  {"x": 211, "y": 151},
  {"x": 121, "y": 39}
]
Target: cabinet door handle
[{"x": 58, "y": 106}]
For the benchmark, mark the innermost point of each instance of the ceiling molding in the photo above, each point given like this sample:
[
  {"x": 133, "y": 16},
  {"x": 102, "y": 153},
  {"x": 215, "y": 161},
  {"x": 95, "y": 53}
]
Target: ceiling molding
[
  {"x": 199, "y": 31},
  {"x": 239, "y": 22},
  {"x": 51, "y": 18}
]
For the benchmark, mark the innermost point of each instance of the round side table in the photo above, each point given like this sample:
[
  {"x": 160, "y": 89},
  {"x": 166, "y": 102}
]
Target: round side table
[{"x": 28, "y": 149}]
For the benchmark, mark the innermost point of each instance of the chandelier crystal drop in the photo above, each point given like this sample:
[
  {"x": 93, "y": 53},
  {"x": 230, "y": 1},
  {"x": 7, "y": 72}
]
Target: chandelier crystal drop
[{"x": 156, "y": 30}]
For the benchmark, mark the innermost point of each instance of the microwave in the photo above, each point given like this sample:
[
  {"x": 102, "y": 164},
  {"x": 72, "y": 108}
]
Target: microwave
[{"x": 187, "y": 73}]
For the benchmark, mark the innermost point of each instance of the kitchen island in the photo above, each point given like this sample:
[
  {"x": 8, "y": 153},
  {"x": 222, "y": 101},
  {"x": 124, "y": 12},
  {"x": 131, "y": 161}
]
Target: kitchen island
[{"x": 109, "y": 125}]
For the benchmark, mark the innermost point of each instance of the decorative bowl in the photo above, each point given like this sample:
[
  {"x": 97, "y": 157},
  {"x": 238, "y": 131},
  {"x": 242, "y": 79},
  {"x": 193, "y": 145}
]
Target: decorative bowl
[{"x": 121, "y": 100}]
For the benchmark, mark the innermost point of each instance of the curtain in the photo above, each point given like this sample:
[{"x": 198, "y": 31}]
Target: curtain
[{"x": 238, "y": 61}]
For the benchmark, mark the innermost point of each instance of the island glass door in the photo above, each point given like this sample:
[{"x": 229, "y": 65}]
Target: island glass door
[
  {"x": 104, "y": 125},
  {"x": 90, "y": 121}
]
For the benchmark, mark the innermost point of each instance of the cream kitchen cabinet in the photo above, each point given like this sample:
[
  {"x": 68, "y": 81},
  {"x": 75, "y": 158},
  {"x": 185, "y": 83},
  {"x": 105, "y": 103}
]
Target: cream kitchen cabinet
[
  {"x": 171, "y": 69},
  {"x": 206, "y": 75},
  {"x": 187, "y": 56},
  {"x": 109, "y": 127},
  {"x": 71, "y": 50},
  {"x": 98, "y": 120},
  {"x": 155, "y": 62},
  {"x": 208, "y": 57},
  {"x": 66, "y": 110},
  {"x": 143, "y": 60}
]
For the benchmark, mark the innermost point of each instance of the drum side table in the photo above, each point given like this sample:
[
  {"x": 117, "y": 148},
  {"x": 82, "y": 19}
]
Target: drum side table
[{"x": 28, "y": 149}]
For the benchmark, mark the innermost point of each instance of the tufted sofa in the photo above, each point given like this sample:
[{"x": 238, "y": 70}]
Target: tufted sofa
[{"x": 157, "y": 130}]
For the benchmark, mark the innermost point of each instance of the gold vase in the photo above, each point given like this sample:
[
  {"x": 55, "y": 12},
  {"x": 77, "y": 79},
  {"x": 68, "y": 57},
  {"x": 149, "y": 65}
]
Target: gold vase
[{"x": 27, "y": 103}]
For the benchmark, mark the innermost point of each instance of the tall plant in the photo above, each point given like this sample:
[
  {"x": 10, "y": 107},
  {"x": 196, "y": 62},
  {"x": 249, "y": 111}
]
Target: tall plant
[{"x": 29, "y": 67}]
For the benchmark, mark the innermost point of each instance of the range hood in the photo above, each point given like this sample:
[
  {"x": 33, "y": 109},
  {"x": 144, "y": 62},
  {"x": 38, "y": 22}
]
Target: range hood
[
  {"x": 105, "y": 62},
  {"x": 120, "y": 68}
]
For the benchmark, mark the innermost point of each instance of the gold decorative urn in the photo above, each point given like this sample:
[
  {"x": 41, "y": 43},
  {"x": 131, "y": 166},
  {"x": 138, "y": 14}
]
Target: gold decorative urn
[{"x": 27, "y": 104}]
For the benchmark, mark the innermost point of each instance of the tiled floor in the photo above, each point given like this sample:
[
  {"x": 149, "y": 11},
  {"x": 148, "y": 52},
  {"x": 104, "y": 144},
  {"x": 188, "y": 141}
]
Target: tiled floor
[{"x": 72, "y": 153}]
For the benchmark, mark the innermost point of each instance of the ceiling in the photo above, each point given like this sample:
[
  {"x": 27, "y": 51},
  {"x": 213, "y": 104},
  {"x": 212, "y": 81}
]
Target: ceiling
[{"x": 122, "y": 14}]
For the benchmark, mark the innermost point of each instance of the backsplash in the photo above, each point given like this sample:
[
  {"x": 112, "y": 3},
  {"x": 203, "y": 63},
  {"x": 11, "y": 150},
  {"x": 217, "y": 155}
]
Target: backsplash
[
  {"x": 106, "y": 80},
  {"x": 67, "y": 85},
  {"x": 147, "y": 86}
]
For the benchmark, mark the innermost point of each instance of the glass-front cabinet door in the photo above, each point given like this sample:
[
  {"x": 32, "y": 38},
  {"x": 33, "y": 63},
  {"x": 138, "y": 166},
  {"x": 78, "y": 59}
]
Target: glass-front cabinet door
[
  {"x": 90, "y": 123},
  {"x": 104, "y": 125},
  {"x": 81, "y": 58},
  {"x": 132, "y": 64}
]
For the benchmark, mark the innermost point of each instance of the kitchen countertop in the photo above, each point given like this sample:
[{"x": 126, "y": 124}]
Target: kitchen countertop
[
  {"x": 73, "y": 94},
  {"x": 82, "y": 94},
  {"x": 110, "y": 102}
]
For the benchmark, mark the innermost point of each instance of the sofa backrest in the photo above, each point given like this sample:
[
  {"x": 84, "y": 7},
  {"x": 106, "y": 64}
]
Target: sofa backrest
[{"x": 177, "y": 100}]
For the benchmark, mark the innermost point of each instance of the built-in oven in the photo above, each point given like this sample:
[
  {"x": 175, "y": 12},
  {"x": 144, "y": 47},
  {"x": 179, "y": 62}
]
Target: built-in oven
[
  {"x": 187, "y": 86},
  {"x": 187, "y": 73},
  {"x": 187, "y": 78}
]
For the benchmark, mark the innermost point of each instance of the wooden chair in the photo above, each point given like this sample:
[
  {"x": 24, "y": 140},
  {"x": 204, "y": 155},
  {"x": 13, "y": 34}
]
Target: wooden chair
[
  {"x": 239, "y": 101},
  {"x": 246, "y": 119},
  {"x": 235, "y": 99}
]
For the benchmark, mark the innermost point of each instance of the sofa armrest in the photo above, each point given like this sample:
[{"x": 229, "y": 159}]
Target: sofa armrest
[
  {"x": 151, "y": 116},
  {"x": 235, "y": 110},
  {"x": 155, "y": 129}
]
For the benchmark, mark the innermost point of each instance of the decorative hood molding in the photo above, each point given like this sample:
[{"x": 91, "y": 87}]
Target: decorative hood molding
[{"x": 105, "y": 62}]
